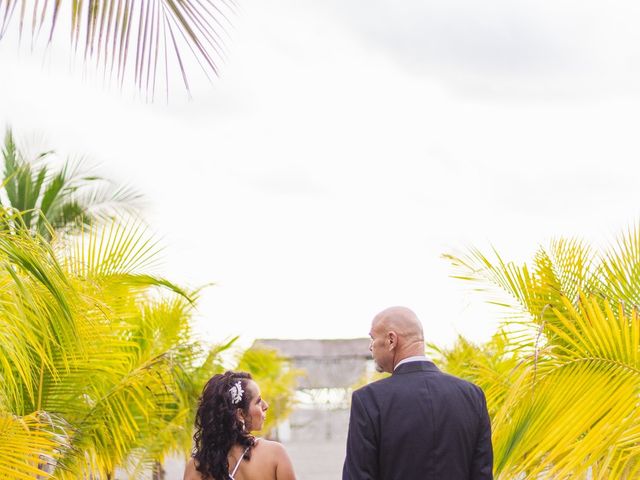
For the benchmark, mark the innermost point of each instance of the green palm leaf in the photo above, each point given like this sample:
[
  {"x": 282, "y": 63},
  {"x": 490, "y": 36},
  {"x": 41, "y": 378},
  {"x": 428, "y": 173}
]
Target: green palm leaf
[{"x": 61, "y": 201}]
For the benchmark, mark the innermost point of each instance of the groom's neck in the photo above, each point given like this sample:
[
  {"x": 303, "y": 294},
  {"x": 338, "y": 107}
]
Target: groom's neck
[{"x": 410, "y": 350}]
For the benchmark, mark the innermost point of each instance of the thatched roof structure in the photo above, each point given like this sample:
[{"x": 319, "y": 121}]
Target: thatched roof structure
[
  {"x": 328, "y": 363},
  {"x": 324, "y": 348}
]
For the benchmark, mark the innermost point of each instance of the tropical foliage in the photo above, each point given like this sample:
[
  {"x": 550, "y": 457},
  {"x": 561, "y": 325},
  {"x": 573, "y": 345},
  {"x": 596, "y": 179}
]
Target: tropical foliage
[
  {"x": 62, "y": 200},
  {"x": 93, "y": 356},
  {"x": 562, "y": 377},
  {"x": 142, "y": 40},
  {"x": 99, "y": 368}
]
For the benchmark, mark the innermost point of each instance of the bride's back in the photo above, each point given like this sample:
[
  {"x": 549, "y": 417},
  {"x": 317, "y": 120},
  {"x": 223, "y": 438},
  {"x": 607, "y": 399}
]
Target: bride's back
[{"x": 269, "y": 461}]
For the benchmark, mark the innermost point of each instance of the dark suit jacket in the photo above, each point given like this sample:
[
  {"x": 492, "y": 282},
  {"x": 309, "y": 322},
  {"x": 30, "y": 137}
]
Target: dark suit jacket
[{"x": 419, "y": 424}]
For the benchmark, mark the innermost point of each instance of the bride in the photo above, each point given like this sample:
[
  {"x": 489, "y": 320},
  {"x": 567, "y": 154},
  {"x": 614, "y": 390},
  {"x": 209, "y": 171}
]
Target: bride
[{"x": 230, "y": 408}]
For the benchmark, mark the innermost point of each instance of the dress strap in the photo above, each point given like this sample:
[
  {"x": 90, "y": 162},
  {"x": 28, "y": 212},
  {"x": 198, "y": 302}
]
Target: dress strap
[{"x": 235, "y": 469}]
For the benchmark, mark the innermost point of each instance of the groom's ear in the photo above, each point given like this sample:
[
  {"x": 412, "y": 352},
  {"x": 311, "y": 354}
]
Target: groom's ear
[{"x": 392, "y": 337}]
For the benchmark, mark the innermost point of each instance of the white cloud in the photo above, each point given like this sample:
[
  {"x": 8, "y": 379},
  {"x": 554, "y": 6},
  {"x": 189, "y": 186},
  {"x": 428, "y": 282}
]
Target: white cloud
[
  {"x": 523, "y": 47},
  {"x": 319, "y": 180}
]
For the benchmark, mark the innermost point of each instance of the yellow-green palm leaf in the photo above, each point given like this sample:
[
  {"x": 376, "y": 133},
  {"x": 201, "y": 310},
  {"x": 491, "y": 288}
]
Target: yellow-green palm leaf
[
  {"x": 569, "y": 405},
  {"x": 26, "y": 447}
]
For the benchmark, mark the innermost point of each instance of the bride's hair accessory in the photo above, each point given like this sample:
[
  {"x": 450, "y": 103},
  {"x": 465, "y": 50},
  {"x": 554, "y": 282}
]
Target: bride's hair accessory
[{"x": 236, "y": 392}]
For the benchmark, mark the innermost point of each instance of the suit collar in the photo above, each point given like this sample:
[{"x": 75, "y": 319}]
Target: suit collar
[{"x": 420, "y": 366}]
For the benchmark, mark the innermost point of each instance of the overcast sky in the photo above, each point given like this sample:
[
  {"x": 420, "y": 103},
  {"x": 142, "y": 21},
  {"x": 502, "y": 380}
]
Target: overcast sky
[{"x": 347, "y": 145}]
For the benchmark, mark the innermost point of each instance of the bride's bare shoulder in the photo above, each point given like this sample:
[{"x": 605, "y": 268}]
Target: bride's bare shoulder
[
  {"x": 268, "y": 446},
  {"x": 278, "y": 458}
]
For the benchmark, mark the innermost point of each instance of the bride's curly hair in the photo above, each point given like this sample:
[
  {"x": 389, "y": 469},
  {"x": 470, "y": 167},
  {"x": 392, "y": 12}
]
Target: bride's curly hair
[{"x": 217, "y": 425}]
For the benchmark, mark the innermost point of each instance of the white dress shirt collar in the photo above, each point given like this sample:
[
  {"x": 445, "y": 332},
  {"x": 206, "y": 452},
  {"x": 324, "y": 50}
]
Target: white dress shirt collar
[{"x": 415, "y": 358}]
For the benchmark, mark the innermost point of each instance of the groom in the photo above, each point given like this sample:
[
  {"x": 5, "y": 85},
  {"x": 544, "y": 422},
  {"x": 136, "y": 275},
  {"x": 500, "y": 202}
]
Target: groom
[{"x": 419, "y": 423}]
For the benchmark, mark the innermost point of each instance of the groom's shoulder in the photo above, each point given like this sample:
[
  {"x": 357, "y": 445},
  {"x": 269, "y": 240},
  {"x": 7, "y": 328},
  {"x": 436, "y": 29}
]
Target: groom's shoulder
[
  {"x": 374, "y": 387},
  {"x": 437, "y": 376},
  {"x": 448, "y": 377}
]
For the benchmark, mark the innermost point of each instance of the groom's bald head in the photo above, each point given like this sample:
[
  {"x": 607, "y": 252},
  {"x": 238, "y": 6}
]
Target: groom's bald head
[
  {"x": 403, "y": 321},
  {"x": 396, "y": 333}
]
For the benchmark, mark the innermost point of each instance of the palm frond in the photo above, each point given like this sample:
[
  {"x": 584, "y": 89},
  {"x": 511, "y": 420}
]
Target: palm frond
[
  {"x": 578, "y": 413},
  {"x": 26, "y": 447},
  {"x": 619, "y": 271},
  {"x": 114, "y": 249},
  {"x": 135, "y": 40},
  {"x": 108, "y": 201},
  {"x": 519, "y": 283},
  {"x": 568, "y": 406},
  {"x": 88, "y": 333},
  {"x": 579, "y": 401},
  {"x": 37, "y": 312},
  {"x": 63, "y": 200},
  {"x": 573, "y": 264}
]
